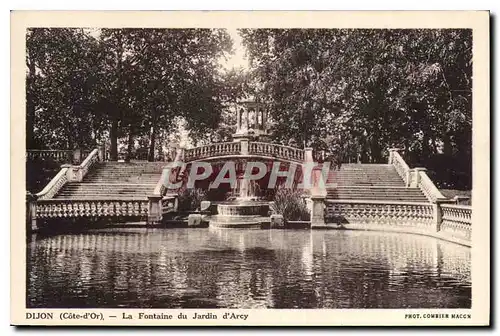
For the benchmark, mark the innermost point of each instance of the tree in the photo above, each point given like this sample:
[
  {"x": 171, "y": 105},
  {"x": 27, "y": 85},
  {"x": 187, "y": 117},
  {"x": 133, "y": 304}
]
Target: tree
[
  {"x": 85, "y": 86},
  {"x": 364, "y": 90},
  {"x": 59, "y": 88}
]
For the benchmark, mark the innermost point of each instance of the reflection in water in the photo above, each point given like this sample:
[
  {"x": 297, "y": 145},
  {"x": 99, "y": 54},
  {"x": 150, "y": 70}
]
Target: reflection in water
[{"x": 208, "y": 268}]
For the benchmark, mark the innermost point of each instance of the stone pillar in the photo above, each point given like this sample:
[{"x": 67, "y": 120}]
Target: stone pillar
[
  {"x": 264, "y": 120},
  {"x": 74, "y": 174},
  {"x": 437, "y": 216},
  {"x": 461, "y": 200},
  {"x": 31, "y": 212},
  {"x": 416, "y": 176},
  {"x": 238, "y": 119},
  {"x": 409, "y": 177},
  {"x": 102, "y": 153},
  {"x": 308, "y": 154},
  {"x": 77, "y": 156},
  {"x": 244, "y": 146},
  {"x": 391, "y": 154},
  {"x": 318, "y": 211},
  {"x": 179, "y": 154},
  {"x": 154, "y": 209}
]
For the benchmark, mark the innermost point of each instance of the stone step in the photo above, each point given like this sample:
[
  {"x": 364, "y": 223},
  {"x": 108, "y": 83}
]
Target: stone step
[
  {"x": 117, "y": 178},
  {"x": 102, "y": 198},
  {"x": 105, "y": 192},
  {"x": 395, "y": 199},
  {"x": 108, "y": 186},
  {"x": 375, "y": 191}
]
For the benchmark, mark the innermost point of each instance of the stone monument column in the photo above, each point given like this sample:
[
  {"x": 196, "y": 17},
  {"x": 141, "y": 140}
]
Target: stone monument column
[{"x": 238, "y": 119}]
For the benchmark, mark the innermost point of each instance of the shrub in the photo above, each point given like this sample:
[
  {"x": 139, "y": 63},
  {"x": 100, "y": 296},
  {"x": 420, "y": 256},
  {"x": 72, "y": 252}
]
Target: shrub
[
  {"x": 290, "y": 204},
  {"x": 190, "y": 199}
]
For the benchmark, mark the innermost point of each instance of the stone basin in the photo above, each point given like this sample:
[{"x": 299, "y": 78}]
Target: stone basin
[{"x": 241, "y": 214}]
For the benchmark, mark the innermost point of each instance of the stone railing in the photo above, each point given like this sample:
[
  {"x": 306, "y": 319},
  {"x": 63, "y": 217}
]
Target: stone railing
[
  {"x": 400, "y": 165},
  {"x": 212, "y": 150},
  {"x": 439, "y": 219},
  {"x": 158, "y": 202},
  {"x": 56, "y": 208},
  {"x": 92, "y": 158},
  {"x": 415, "y": 178},
  {"x": 68, "y": 173},
  {"x": 53, "y": 187},
  {"x": 278, "y": 151},
  {"x": 456, "y": 220},
  {"x": 428, "y": 187},
  {"x": 244, "y": 148},
  {"x": 57, "y": 155},
  {"x": 375, "y": 212}
]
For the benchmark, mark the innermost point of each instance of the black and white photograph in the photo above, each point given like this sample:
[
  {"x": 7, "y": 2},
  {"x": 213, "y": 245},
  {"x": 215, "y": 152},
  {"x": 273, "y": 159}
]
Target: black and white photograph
[{"x": 221, "y": 168}]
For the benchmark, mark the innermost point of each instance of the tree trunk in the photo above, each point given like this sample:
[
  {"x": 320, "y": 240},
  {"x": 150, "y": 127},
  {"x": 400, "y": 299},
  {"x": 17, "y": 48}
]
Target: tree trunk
[
  {"x": 375, "y": 151},
  {"x": 152, "y": 140},
  {"x": 30, "y": 107},
  {"x": 113, "y": 135},
  {"x": 130, "y": 145},
  {"x": 447, "y": 150}
]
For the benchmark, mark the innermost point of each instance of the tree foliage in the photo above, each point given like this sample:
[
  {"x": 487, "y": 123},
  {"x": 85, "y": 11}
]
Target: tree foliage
[
  {"x": 360, "y": 91},
  {"x": 84, "y": 86}
]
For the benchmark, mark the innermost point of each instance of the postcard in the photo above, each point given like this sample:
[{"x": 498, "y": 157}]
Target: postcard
[{"x": 250, "y": 168}]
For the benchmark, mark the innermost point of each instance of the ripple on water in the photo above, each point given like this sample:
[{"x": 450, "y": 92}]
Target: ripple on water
[{"x": 247, "y": 269}]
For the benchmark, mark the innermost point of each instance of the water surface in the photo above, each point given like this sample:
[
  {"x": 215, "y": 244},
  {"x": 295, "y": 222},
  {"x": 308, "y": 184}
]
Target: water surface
[{"x": 208, "y": 268}]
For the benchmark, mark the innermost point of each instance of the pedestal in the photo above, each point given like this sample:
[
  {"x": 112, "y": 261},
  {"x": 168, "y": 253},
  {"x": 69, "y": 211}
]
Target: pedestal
[
  {"x": 318, "y": 211},
  {"x": 154, "y": 209}
]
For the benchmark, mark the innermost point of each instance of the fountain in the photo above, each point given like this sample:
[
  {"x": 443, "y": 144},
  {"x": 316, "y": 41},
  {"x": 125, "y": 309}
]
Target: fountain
[{"x": 245, "y": 210}]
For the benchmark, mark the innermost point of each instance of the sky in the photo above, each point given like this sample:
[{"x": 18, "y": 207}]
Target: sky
[
  {"x": 233, "y": 61},
  {"x": 238, "y": 59}
]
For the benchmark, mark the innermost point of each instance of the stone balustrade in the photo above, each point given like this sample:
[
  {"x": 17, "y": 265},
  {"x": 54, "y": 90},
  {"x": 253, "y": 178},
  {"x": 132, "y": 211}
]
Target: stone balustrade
[
  {"x": 379, "y": 212},
  {"x": 447, "y": 221},
  {"x": 244, "y": 148},
  {"x": 57, "y": 155},
  {"x": 43, "y": 205},
  {"x": 456, "y": 220},
  {"x": 400, "y": 165},
  {"x": 158, "y": 202},
  {"x": 276, "y": 151},
  {"x": 212, "y": 150},
  {"x": 68, "y": 173},
  {"x": 428, "y": 187},
  {"x": 56, "y": 208},
  {"x": 54, "y": 185},
  {"x": 416, "y": 177}
]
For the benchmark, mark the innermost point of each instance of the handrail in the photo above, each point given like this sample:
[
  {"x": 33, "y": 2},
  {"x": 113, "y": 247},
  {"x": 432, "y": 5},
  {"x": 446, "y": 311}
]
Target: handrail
[
  {"x": 373, "y": 212},
  {"x": 160, "y": 185},
  {"x": 282, "y": 151},
  {"x": 65, "y": 175},
  {"x": 54, "y": 185},
  {"x": 55, "y": 154},
  {"x": 374, "y": 202},
  {"x": 456, "y": 206},
  {"x": 214, "y": 149},
  {"x": 428, "y": 187},
  {"x": 55, "y": 208},
  {"x": 401, "y": 166},
  {"x": 456, "y": 220},
  {"x": 89, "y": 161}
]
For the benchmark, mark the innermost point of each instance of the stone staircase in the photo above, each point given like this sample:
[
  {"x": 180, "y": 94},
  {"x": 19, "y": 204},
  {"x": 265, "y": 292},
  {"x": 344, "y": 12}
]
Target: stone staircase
[
  {"x": 115, "y": 180},
  {"x": 368, "y": 182}
]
